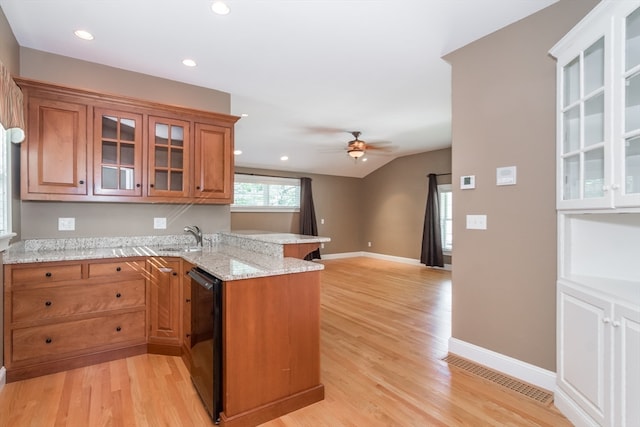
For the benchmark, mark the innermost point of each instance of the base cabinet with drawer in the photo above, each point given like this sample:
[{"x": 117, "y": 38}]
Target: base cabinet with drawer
[{"x": 62, "y": 315}]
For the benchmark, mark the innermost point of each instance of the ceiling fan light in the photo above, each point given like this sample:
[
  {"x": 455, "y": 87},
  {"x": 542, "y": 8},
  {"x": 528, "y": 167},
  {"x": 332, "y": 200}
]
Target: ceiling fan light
[
  {"x": 356, "y": 153},
  {"x": 220, "y": 8}
]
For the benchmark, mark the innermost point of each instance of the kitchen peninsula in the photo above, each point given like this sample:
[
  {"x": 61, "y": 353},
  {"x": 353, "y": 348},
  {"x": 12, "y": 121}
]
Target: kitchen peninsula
[{"x": 74, "y": 302}]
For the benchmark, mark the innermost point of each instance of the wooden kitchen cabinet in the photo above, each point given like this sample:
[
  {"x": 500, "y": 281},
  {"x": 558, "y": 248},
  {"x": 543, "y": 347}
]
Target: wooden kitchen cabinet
[
  {"x": 169, "y": 157},
  {"x": 271, "y": 346},
  {"x": 63, "y": 315},
  {"x": 117, "y": 153},
  {"x": 89, "y": 146},
  {"x": 54, "y": 162},
  {"x": 165, "y": 307},
  {"x": 213, "y": 163}
]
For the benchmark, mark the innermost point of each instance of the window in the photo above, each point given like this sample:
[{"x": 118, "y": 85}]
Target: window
[
  {"x": 5, "y": 189},
  {"x": 255, "y": 193},
  {"x": 446, "y": 216}
]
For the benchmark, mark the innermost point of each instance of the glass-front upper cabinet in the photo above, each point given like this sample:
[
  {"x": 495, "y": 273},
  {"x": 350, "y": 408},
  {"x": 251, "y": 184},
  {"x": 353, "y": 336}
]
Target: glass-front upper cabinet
[
  {"x": 598, "y": 143},
  {"x": 117, "y": 153},
  {"x": 630, "y": 153},
  {"x": 168, "y": 157}
]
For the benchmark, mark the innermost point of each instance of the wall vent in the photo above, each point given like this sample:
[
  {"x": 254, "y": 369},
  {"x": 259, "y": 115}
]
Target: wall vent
[{"x": 522, "y": 388}]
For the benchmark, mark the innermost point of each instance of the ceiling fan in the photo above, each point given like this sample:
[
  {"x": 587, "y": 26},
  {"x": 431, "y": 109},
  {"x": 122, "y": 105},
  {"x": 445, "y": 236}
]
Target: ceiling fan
[{"x": 357, "y": 147}]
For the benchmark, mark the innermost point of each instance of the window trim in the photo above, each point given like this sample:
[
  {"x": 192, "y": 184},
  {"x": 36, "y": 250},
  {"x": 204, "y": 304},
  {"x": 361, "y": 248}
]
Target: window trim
[
  {"x": 445, "y": 188},
  {"x": 5, "y": 168},
  {"x": 268, "y": 180}
]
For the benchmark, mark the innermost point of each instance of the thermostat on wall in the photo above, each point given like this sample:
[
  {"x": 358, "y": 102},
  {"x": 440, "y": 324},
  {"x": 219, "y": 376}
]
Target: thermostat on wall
[
  {"x": 506, "y": 175},
  {"x": 467, "y": 182}
]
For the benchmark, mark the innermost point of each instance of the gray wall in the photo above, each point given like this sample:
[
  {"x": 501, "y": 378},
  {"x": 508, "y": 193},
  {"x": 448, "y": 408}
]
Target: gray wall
[
  {"x": 387, "y": 207},
  {"x": 394, "y": 203},
  {"x": 504, "y": 115}
]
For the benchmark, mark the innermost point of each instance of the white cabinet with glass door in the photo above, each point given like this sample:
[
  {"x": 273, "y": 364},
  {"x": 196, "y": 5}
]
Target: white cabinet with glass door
[{"x": 599, "y": 110}]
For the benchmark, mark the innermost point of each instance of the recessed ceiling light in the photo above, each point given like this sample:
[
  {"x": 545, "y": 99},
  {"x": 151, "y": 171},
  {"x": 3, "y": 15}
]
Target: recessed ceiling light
[
  {"x": 237, "y": 152},
  {"x": 189, "y": 62},
  {"x": 284, "y": 158},
  {"x": 220, "y": 7},
  {"x": 84, "y": 35}
]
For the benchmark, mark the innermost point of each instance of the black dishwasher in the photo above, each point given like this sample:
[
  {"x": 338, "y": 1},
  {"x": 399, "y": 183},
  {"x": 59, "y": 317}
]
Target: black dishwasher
[{"x": 206, "y": 339}]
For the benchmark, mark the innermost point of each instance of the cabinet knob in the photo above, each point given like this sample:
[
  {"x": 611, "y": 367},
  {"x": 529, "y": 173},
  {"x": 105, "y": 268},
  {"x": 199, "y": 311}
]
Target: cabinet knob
[
  {"x": 137, "y": 185},
  {"x": 47, "y": 303},
  {"x": 48, "y": 274},
  {"x": 151, "y": 185},
  {"x": 606, "y": 320},
  {"x": 187, "y": 300},
  {"x": 81, "y": 182},
  {"x": 187, "y": 335},
  {"x": 118, "y": 295},
  {"x": 118, "y": 329},
  {"x": 174, "y": 273},
  {"x": 605, "y": 188},
  {"x": 198, "y": 187},
  {"x": 118, "y": 268},
  {"x": 48, "y": 340},
  {"x": 615, "y": 187},
  {"x": 615, "y": 323}
]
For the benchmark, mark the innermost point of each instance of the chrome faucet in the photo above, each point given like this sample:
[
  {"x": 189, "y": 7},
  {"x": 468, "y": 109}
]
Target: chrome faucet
[{"x": 195, "y": 231}]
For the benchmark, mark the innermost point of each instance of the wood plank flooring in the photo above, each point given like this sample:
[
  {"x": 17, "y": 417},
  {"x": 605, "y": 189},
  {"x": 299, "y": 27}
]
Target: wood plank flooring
[{"x": 384, "y": 332}]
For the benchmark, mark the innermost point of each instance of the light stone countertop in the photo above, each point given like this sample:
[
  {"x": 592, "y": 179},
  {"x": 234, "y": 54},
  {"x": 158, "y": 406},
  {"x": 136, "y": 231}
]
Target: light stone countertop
[{"x": 220, "y": 258}]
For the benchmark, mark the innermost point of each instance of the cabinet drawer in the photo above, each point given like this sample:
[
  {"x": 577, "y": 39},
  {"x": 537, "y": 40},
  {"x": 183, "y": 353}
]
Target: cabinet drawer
[
  {"x": 54, "y": 273},
  {"x": 77, "y": 337},
  {"x": 58, "y": 301},
  {"x": 116, "y": 268}
]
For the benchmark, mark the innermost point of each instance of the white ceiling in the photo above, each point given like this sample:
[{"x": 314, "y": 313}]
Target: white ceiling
[{"x": 305, "y": 71}]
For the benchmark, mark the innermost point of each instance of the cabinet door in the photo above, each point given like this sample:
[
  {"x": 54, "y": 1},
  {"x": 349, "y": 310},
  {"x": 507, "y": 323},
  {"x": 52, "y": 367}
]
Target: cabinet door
[
  {"x": 628, "y": 169},
  {"x": 117, "y": 165},
  {"x": 213, "y": 165},
  {"x": 584, "y": 351},
  {"x": 165, "y": 301},
  {"x": 169, "y": 143},
  {"x": 627, "y": 375},
  {"x": 56, "y": 147},
  {"x": 584, "y": 139}
]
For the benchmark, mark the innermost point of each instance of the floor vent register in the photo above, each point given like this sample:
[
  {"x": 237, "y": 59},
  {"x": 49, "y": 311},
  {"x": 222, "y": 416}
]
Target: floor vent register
[{"x": 527, "y": 390}]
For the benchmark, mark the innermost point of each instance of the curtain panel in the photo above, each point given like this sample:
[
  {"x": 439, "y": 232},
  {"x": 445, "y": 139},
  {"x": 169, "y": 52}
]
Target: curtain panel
[
  {"x": 308, "y": 224},
  {"x": 431, "y": 254},
  {"x": 11, "y": 110}
]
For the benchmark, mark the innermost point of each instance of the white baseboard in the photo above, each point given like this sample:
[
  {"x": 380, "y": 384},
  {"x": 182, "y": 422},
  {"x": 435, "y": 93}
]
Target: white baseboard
[
  {"x": 402, "y": 260},
  {"x": 516, "y": 368},
  {"x": 3, "y": 377},
  {"x": 571, "y": 410}
]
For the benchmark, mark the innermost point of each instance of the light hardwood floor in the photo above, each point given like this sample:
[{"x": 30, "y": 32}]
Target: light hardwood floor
[{"x": 384, "y": 332}]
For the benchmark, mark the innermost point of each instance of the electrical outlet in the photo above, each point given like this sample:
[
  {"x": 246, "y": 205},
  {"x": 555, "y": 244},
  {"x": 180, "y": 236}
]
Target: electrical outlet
[
  {"x": 66, "y": 224},
  {"x": 321, "y": 220},
  {"x": 159, "y": 223},
  {"x": 321, "y": 245},
  {"x": 369, "y": 244}
]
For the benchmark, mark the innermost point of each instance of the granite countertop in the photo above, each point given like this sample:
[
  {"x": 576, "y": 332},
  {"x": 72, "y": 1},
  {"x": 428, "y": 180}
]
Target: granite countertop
[
  {"x": 223, "y": 260},
  {"x": 275, "y": 237}
]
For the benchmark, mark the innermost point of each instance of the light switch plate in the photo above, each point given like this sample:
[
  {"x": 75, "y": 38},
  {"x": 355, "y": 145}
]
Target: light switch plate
[
  {"x": 476, "y": 222},
  {"x": 160, "y": 223},
  {"x": 66, "y": 224}
]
